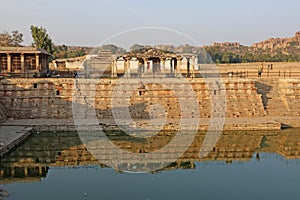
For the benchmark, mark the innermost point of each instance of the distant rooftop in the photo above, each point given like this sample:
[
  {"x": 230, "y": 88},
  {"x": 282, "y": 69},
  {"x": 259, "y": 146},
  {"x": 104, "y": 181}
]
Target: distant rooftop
[{"x": 150, "y": 52}]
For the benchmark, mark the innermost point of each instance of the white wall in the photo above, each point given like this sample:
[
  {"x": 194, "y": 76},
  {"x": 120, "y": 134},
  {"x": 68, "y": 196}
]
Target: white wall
[{"x": 134, "y": 65}]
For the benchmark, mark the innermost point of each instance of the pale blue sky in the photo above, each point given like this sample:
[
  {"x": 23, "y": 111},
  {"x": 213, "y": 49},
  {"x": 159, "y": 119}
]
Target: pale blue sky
[{"x": 88, "y": 22}]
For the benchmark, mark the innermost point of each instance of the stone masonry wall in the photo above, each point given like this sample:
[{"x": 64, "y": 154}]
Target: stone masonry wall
[
  {"x": 290, "y": 94},
  {"x": 52, "y": 98}
]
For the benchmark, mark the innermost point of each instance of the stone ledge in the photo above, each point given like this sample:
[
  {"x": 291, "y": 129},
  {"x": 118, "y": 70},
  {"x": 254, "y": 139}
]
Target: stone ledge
[{"x": 245, "y": 123}]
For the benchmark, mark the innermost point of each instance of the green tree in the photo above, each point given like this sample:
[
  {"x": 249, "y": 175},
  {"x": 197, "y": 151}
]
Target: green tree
[
  {"x": 41, "y": 39},
  {"x": 62, "y": 51}
]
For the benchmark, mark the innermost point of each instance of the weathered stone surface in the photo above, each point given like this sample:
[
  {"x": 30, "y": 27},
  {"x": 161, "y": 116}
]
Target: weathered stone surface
[
  {"x": 11, "y": 136},
  {"x": 52, "y": 98}
]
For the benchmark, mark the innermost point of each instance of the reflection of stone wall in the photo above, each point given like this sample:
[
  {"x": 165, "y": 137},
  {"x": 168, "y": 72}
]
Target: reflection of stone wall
[
  {"x": 52, "y": 98},
  {"x": 2, "y": 113},
  {"x": 33, "y": 158}
]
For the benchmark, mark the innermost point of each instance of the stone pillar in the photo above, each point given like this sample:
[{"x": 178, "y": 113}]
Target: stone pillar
[
  {"x": 163, "y": 65},
  {"x": 196, "y": 63},
  {"x": 55, "y": 64},
  {"x": 178, "y": 65},
  {"x": 37, "y": 62},
  {"x": 40, "y": 170},
  {"x": 9, "y": 63},
  {"x": 188, "y": 67},
  {"x": 22, "y": 63},
  {"x": 171, "y": 66},
  {"x": 114, "y": 69},
  {"x": 192, "y": 66},
  {"x": 127, "y": 70},
  {"x": 25, "y": 171},
  {"x": 67, "y": 64},
  {"x": 125, "y": 65},
  {"x": 145, "y": 65}
]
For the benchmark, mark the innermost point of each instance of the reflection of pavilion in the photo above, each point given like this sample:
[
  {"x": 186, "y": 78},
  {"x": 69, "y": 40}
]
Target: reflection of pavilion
[{"x": 153, "y": 62}]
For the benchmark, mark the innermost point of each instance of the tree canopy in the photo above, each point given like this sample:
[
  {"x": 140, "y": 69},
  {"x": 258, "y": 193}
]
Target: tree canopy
[
  {"x": 41, "y": 39},
  {"x": 63, "y": 51},
  {"x": 136, "y": 47},
  {"x": 222, "y": 56},
  {"x": 14, "y": 39}
]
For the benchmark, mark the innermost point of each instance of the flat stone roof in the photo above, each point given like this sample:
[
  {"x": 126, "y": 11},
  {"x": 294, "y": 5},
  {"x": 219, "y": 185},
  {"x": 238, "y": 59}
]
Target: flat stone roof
[{"x": 23, "y": 50}]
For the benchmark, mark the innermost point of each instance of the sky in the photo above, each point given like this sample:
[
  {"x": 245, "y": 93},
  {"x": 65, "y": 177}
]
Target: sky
[{"x": 92, "y": 22}]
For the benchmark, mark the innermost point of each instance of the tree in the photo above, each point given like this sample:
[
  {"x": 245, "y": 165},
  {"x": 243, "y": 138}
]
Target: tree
[
  {"x": 5, "y": 39},
  {"x": 136, "y": 47},
  {"x": 110, "y": 47},
  {"x": 62, "y": 51},
  {"x": 14, "y": 39},
  {"x": 41, "y": 39}
]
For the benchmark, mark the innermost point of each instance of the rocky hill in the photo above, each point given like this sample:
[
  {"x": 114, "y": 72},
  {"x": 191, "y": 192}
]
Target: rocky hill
[
  {"x": 279, "y": 43},
  {"x": 271, "y": 50}
]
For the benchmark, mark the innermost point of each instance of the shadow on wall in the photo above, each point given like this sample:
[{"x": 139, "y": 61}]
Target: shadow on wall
[{"x": 263, "y": 89}]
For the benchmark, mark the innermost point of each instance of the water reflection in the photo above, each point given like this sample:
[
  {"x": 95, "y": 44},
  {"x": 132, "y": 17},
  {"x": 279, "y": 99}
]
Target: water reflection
[{"x": 31, "y": 161}]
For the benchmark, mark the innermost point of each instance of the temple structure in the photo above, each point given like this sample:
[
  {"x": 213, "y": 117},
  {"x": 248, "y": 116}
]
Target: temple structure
[
  {"x": 23, "y": 61},
  {"x": 149, "y": 62},
  {"x": 68, "y": 63},
  {"x": 154, "y": 62},
  {"x": 142, "y": 63}
]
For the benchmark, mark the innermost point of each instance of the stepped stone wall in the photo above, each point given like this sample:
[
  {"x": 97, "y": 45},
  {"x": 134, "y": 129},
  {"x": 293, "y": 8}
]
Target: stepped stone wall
[
  {"x": 52, "y": 98},
  {"x": 280, "y": 97},
  {"x": 290, "y": 94}
]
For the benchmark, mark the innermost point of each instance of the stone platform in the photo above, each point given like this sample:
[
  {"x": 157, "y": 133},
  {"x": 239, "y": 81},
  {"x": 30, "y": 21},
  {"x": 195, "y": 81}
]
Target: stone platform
[
  {"x": 63, "y": 125},
  {"x": 12, "y": 136}
]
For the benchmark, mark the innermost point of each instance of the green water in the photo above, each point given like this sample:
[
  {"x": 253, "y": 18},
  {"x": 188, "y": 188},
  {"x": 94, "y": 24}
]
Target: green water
[{"x": 275, "y": 174}]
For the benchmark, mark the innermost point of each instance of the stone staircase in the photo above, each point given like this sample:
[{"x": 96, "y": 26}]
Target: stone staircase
[
  {"x": 273, "y": 101},
  {"x": 82, "y": 101},
  {"x": 100, "y": 63}
]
